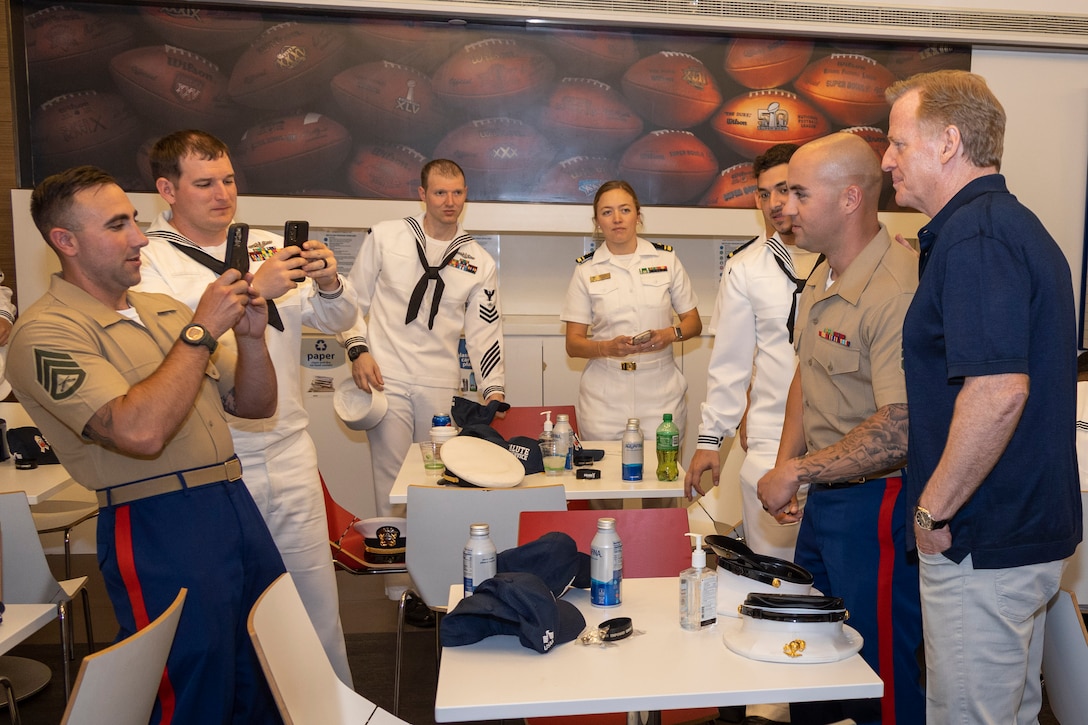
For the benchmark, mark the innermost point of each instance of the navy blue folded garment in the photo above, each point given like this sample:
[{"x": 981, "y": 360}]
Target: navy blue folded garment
[
  {"x": 554, "y": 557},
  {"x": 514, "y": 603},
  {"x": 467, "y": 412}
]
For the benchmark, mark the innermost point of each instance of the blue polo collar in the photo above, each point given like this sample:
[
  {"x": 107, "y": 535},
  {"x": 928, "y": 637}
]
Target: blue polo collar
[{"x": 927, "y": 235}]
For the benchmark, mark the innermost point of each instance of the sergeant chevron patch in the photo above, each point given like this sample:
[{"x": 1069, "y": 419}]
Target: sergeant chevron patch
[
  {"x": 58, "y": 373},
  {"x": 488, "y": 313}
]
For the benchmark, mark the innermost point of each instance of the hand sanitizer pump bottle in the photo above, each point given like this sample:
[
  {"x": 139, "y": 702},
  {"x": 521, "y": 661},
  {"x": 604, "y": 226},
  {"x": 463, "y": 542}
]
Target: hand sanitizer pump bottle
[{"x": 698, "y": 591}]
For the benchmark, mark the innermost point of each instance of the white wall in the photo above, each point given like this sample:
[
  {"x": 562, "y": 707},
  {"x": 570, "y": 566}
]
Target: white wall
[{"x": 1046, "y": 144}]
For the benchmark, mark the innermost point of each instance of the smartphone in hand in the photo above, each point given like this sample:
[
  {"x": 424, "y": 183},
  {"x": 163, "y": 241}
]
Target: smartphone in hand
[
  {"x": 238, "y": 247},
  {"x": 642, "y": 337},
  {"x": 295, "y": 233}
]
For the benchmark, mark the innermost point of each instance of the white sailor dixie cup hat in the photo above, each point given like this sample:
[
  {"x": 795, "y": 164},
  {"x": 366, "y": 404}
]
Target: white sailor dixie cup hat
[
  {"x": 473, "y": 461},
  {"x": 358, "y": 409},
  {"x": 742, "y": 571}
]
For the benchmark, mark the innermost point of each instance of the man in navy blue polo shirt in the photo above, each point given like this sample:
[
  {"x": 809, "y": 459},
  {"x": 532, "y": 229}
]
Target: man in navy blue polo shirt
[{"x": 990, "y": 359}]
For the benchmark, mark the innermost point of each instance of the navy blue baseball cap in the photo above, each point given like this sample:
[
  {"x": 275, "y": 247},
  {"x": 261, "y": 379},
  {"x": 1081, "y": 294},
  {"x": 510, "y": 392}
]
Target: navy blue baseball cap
[
  {"x": 554, "y": 557},
  {"x": 525, "y": 449},
  {"x": 515, "y": 603}
]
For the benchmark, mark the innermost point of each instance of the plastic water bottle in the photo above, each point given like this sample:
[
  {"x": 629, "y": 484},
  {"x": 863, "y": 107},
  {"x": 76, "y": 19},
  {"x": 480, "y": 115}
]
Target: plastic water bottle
[
  {"x": 668, "y": 447},
  {"x": 631, "y": 455},
  {"x": 605, "y": 565},
  {"x": 479, "y": 557},
  {"x": 566, "y": 434}
]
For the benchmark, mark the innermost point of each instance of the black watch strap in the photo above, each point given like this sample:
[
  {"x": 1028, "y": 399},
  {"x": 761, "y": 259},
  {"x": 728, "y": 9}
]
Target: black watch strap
[
  {"x": 355, "y": 351},
  {"x": 196, "y": 335}
]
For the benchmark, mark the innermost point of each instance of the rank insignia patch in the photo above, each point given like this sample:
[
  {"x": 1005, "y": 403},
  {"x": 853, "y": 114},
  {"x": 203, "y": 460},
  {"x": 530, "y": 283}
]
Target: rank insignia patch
[{"x": 58, "y": 373}]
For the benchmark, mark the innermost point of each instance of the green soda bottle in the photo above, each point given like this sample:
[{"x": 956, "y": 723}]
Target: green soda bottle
[{"x": 668, "y": 448}]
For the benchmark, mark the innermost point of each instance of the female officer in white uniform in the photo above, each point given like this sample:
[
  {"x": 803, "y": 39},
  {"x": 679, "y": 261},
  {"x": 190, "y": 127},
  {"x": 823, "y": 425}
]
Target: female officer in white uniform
[{"x": 625, "y": 287}]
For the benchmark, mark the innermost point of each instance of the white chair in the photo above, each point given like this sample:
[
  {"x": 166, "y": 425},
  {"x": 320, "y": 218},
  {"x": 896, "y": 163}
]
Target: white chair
[
  {"x": 69, "y": 508},
  {"x": 118, "y": 685},
  {"x": 1065, "y": 659},
  {"x": 303, "y": 683},
  {"x": 440, "y": 516},
  {"x": 61, "y": 514},
  {"x": 383, "y": 717},
  {"x": 27, "y": 578}
]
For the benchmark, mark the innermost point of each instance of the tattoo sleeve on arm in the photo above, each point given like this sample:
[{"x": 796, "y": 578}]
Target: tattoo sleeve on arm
[
  {"x": 229, "y": 403},
  {"x": 877, "y": 444},
  {"x": 97, "y": 428}
]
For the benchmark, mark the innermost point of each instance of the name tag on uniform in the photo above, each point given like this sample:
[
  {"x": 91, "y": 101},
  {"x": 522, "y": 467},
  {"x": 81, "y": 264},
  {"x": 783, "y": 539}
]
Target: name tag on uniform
[
  {"x": 600, "y": 277},
  {"x": 652, "y": 270}
]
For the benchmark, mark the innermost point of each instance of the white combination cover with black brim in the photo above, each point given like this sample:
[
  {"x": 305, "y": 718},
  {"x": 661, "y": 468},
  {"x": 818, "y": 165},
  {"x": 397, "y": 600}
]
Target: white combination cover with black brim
[
  {"x": 781, "y": 628},
  {"x": 742, "y": 572},
  {"x": 358, "y": 409},
  {"x": 476, "y": 462}
]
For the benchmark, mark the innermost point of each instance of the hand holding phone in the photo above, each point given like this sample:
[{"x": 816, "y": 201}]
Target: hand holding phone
[
  {"x": 642, "y": 337},
  {"x": 295, "y": 233},
  {"x": 238, "y": 248}
]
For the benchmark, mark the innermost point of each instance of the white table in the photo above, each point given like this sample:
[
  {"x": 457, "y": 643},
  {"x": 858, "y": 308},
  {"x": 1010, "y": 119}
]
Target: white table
[
  {"x": 23, "y": 620},
  {"x": 610, "y": 485},
  {"x": 26, "y": 676},
  {"x": 665, "y": 668},
  {"x": 39, "y": 483}
]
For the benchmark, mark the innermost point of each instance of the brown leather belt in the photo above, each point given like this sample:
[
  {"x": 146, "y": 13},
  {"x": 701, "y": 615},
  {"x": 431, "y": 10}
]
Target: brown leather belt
[{"x": 230, "y": 470}]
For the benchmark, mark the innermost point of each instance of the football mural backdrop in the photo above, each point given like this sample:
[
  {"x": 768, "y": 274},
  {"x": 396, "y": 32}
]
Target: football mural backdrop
[{"x": 354, "y": 106}]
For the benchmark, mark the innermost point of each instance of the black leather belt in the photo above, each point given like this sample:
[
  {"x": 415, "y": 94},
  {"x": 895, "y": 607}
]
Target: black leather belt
[{"x": 846, "y": 484}]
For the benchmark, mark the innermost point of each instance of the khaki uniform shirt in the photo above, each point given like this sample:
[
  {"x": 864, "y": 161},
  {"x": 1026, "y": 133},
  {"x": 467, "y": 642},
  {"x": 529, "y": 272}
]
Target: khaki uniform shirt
[
  {"x": 70, "y": 355},
  {"x": 850, "y": 340}
]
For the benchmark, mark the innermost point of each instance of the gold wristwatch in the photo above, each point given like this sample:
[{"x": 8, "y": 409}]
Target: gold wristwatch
[{"x": 925, "y": 520}]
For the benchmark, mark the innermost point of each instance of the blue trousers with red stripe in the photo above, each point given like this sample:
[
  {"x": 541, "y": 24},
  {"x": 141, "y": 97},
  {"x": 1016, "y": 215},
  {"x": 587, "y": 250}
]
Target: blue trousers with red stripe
[
  {"x": 213, "y": 541},
  {"x": 852, "y": 540}
]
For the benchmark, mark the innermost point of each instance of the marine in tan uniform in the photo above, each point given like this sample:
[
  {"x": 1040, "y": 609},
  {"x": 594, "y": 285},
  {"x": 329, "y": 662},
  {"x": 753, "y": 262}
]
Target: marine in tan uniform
[
  {"x": 845, "y": 431},
  {"x": 122, "y": 386}
]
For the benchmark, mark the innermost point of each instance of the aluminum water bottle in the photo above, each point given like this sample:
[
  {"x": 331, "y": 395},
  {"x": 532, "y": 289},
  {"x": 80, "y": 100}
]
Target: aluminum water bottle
[
  {"x": 479, "y": 557},
  {"x": 605, "y": 565},
  {"x": 631, "y": 454},
  {"x": 566, "y": 433}
]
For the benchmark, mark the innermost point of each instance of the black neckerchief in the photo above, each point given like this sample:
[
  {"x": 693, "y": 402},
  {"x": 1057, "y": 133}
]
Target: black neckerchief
[
  {"x": 218, "y": 266},
  {"x": 430, "y": 273},
  {"x": 785, "y": 261}
]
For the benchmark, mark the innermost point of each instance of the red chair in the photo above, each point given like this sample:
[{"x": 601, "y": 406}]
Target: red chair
[
  {"x": 528, "y": 421},
  {"x": 347, "y": 544},
  {"x": 654, "y": 545},
  {"x": 654, "y": 541}
]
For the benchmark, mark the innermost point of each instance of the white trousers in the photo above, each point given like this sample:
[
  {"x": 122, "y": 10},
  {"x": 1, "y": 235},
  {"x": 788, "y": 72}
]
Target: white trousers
[
  {"x": 608, "y": 396},
  {"x": 286, "y": 487},
  {"x": 762, "y": 533},
  {"x": 406, "y": 422},
  {"x": 983, "y": 632}
]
